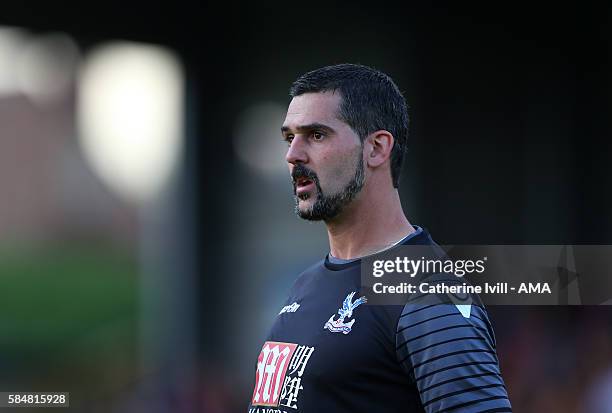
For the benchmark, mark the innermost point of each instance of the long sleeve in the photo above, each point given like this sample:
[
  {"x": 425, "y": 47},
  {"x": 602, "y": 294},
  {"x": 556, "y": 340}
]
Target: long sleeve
[{"x": 451, "y": 356}]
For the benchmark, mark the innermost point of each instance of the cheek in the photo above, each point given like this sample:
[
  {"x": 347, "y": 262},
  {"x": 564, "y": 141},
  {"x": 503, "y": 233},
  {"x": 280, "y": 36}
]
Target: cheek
[{"x": 340, "y": 171}]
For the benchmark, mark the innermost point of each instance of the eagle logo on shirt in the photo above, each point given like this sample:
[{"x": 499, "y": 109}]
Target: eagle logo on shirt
[{"x": 339, "y": 326}]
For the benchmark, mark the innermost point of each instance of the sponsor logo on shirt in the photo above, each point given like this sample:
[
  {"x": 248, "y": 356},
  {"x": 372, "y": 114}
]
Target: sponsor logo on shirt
[
  {"x": 339, "y": 326},
  {"x": 291, "y": 308},
  {"x": 280, "y": 367}
]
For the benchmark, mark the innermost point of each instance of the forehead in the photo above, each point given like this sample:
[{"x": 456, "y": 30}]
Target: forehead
[{"x": 313, "y": 108}]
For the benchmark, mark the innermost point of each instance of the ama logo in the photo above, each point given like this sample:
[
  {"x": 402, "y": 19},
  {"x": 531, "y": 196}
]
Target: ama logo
[{"x": 538, "y": 288}]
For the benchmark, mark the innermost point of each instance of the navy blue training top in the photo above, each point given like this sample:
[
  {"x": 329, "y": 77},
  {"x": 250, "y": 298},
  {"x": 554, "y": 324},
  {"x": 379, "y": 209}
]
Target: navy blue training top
[{"x": 328, "y": 351}]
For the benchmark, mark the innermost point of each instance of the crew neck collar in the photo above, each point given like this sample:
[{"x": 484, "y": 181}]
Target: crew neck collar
[{"x": 419, "y": 236}]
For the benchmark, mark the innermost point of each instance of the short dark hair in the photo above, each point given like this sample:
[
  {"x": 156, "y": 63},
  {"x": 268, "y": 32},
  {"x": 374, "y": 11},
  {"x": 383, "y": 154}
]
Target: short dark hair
[{"x": 371, "y": 101}]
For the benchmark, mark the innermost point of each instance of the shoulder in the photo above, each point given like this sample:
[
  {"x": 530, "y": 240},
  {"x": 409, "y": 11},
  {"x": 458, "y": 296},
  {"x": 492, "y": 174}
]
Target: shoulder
[{"x": 425, "y": 324}]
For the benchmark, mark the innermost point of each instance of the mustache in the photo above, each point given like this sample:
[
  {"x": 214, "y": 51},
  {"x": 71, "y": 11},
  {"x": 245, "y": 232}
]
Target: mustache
[{"x": 300, "y": 171}]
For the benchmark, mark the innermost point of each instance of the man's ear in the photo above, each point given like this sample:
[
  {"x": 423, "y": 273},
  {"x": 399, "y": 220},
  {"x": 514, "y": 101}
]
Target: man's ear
[{"x": 378, "y": 147}]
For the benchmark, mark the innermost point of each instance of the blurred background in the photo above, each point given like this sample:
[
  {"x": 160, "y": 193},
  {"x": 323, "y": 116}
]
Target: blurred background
[{"x": 147, "y": 235}]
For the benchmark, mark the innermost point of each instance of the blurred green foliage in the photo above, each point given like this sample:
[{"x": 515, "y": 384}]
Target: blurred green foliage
[{"x": 68, "y": 313}]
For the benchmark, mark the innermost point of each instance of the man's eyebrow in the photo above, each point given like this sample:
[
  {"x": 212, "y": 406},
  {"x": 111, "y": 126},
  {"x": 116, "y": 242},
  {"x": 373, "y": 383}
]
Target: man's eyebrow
[{"x": 310, "y": 126}]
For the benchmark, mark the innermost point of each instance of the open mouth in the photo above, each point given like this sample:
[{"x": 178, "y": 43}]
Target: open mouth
[{"x": 303, "y": 185}]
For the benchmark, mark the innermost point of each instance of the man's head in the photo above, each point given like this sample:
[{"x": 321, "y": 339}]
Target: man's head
[{"x": 335, "y": 110}]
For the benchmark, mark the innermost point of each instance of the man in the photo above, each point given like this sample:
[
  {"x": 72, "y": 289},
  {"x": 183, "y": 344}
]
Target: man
[{"x": 327, "y": 351}]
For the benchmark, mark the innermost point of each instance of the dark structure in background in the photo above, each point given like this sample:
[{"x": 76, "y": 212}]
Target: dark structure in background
[{"x": 509, "y": 135}]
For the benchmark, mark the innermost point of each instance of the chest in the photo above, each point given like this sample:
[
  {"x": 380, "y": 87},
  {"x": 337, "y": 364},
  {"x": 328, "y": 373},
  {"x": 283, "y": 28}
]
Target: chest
[{"x": 325, "y": 341}]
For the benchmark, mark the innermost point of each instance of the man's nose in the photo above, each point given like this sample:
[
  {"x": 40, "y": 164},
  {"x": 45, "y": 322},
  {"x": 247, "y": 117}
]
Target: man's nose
[{"x": 297, "y": 151}]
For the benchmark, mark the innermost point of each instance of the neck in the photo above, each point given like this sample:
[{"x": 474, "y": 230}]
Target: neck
[{"x": 370, "y": 223}]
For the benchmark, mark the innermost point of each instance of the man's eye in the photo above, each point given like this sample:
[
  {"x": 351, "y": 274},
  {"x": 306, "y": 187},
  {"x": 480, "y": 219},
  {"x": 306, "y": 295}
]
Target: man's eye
[
  {"x": 318, "y": 136},
  {"x": 288, "y": 139}
]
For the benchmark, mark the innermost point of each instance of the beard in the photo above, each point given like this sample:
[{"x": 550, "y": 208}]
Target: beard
[{"x": 327, "y": 207}]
